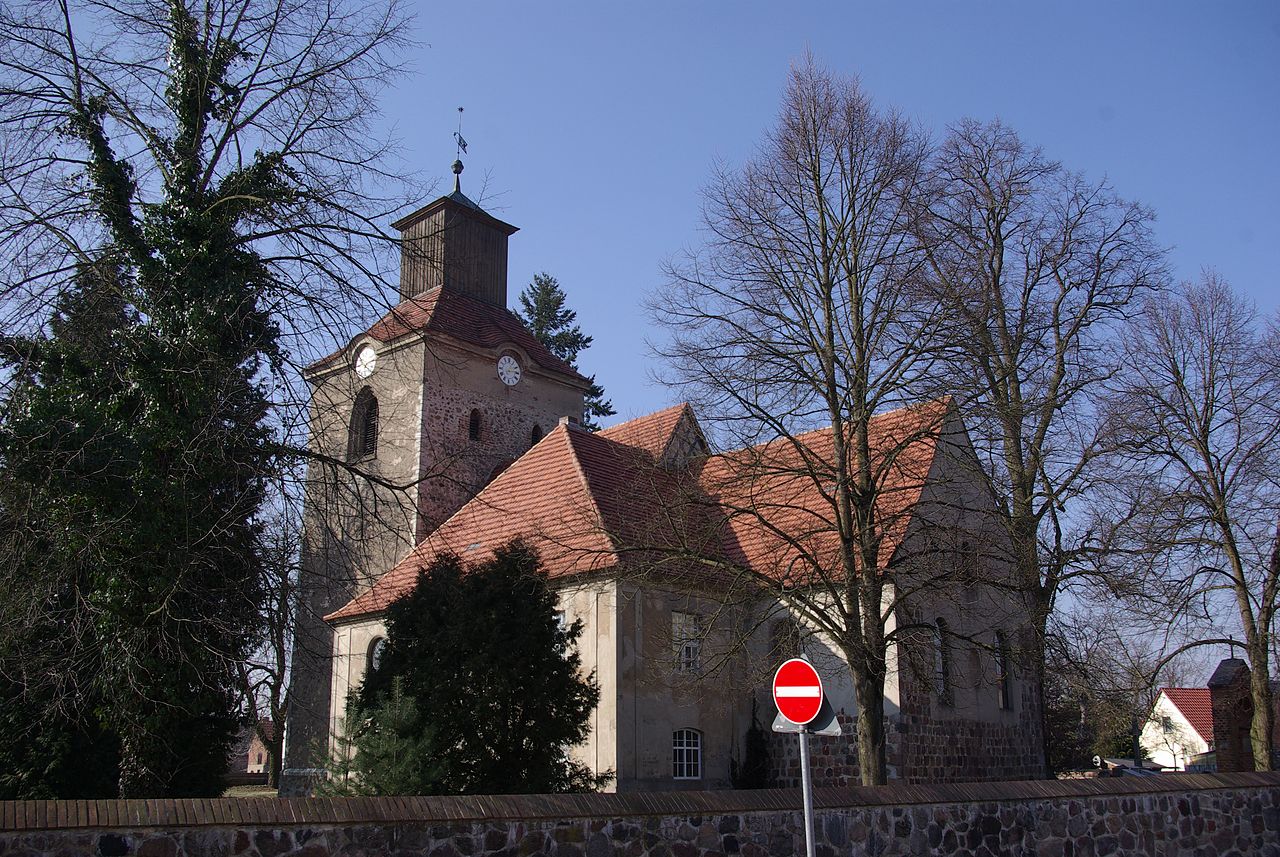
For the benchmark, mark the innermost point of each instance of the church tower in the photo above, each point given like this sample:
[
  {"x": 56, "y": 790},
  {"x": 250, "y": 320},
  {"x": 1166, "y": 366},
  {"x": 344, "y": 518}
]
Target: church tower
[{"x": 408, "y": 422}]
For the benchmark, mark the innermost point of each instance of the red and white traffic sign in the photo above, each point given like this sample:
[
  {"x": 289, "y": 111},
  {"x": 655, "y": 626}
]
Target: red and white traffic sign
[{"x": 797, "y": 691}]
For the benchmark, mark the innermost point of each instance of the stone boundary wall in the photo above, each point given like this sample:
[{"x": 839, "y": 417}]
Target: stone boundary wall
[{"x": 1204, "y": 814}]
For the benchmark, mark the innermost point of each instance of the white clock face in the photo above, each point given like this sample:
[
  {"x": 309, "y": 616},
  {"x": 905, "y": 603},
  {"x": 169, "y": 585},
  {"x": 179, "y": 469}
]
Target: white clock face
[
  {"x": 509, "y": 370},
  {"x": 366, "y": 361}
]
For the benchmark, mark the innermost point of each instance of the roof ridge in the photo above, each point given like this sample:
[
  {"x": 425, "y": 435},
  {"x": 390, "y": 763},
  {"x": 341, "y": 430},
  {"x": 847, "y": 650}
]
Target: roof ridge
[{"x": 943, "y": 401}]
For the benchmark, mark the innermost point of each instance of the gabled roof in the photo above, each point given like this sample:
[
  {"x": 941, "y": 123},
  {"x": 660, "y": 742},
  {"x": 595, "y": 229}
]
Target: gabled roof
[
  {"x": 650, "y": 433},
  {"x": 778, "y": 500},
  {"x": 445, "y": 311},
  {"x": 1194, "y": 704},
  {"x": 670, "y": 437},
  {"x": 567, "y": 496},
  {"x": 585, "y": 500}
]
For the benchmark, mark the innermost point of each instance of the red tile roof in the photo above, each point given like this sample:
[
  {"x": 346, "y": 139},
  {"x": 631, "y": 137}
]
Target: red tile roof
[
  {"x": 651, "y": 433},
  {"x": 1196, "y": 706},
  {"x": 779, "y": 501},
  {"x": 444, "y": 311},
  {"x": 584, "y": 500}
]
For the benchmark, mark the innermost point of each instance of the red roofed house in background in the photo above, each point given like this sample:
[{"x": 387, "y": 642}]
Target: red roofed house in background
[
  {"x": 1179, "y": 727},
  {"x": 468, "y": 430}
]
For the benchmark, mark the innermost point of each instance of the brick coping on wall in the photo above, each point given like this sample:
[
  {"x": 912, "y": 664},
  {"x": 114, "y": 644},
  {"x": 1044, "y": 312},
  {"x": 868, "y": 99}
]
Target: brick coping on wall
[{"x": 279, "y": 812}]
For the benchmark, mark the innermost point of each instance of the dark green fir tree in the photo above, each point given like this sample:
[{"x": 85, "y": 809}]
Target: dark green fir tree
[
  {"x": 491, "y": 629},
  {"x": 543, "y": 310}
]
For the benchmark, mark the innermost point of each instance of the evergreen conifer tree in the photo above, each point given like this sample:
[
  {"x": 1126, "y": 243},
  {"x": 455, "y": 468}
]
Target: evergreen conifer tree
[
  {"x": 480, "y": 678},
  {"x": 543, "y": 310},
  {"x": 135, "y": 449}
]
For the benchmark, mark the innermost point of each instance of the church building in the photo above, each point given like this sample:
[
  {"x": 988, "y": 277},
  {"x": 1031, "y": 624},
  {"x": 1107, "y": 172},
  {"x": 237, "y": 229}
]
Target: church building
[{"x": 447, "y": 427}]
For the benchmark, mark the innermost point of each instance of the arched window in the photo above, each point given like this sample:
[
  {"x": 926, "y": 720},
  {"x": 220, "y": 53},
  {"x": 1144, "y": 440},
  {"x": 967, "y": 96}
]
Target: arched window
[
  {"x": 1002, "y": 671},
  {"x": 686, "y": 754},
  {"x": 942, "y": 663},
  {"x": 473, "y": 425},
  {"x": 363, "y": 438},
  {"x": 535, "y": 435},
  {"x": 377, "y": 646}
]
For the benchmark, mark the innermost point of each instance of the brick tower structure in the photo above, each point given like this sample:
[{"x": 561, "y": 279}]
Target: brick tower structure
[{"x": 407, "y": 423}]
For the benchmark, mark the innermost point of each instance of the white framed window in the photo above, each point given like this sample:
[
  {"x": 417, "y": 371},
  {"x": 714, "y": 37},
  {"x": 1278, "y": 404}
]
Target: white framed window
[
  {"x": 686, "y": 754},
  {"x": 562, "y": 620},
  {"x": 686, "y": 639}
]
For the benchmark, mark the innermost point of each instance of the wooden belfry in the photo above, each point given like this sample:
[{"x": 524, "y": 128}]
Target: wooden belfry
[{"x": 454, "y": 243}]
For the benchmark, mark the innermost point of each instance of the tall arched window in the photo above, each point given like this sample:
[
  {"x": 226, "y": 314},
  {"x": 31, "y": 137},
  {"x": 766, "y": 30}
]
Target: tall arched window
[
  {"x": 535, "y": 435},
  {"x": 686, "y": 754},
  {"x": 363, "y": 439},
  {"x": 1002, "y": 671},
  {"x": 473, "y": 425},
  {"x": 968, "y": 572},
  {"x": 942, "y": 663},
  {"x": 377, "y": 646}
]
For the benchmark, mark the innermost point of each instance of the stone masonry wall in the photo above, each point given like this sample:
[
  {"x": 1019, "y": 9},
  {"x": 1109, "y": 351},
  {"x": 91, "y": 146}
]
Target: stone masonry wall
[
  {"x": 929, "y": 745},
  {"x": 834, "y": 759},
  {"x": 1170, "y": 816}
]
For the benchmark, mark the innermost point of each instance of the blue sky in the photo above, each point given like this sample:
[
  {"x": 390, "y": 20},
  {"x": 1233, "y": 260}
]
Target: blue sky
[{"x": 593, "y": 126}]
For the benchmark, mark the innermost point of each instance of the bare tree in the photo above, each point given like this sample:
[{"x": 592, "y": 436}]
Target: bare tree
[
  {"x": 798, "y": 314},
  {"x": 297, "y": 87},
  {"x": 1105, "y": 671},
  {"x": 1033, "y": 265},
  {"x": 264, "y": 675},
  {"x": 1196, "y": 422}
]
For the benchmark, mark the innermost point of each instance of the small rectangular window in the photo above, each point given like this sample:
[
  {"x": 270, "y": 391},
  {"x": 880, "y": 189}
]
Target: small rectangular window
[
  {"x": 686, "y": 641},
  {"x": 1166, "y": 725}
]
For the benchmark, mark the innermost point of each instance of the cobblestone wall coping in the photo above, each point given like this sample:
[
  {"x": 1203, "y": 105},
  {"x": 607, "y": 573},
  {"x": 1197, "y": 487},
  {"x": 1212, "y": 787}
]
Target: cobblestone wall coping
[{"x": 283, "y": 812}]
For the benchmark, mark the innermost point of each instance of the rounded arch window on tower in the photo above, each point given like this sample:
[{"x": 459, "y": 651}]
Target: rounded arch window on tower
[
  {"x": 473, "y": 425},
  {"x": 377, "y": 646},
  {"x": 362, "y": 438},
  {"x": 535, "y": 435}
]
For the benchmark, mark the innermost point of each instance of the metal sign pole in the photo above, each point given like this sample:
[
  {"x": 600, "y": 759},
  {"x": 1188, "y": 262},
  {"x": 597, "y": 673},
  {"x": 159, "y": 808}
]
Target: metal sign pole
[{"x": 806, "y": 787}]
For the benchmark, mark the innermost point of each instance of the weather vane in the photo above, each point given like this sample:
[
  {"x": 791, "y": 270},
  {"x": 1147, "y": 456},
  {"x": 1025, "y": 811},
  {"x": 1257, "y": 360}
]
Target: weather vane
[
  {"x": 458, "y": 138},
  {"x": 462, "y": 150}
]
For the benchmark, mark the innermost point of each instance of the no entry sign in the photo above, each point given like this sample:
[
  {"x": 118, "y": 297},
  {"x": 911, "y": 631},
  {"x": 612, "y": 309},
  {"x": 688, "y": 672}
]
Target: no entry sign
[{"x": 797, "y": 691}]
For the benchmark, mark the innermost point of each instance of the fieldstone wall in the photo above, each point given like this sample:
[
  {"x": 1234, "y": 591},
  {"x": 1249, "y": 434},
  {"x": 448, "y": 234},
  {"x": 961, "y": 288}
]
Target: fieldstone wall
[
  {"x": 928, "y": 743},
  {"x": 834, "y": 760},
  {"x": 1170, "y": 816}
]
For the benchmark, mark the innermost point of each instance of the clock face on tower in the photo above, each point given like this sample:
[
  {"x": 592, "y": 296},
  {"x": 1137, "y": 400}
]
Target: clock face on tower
[
  {"x": 509, "y": 370},
  {"x": 366, "y": 361}
]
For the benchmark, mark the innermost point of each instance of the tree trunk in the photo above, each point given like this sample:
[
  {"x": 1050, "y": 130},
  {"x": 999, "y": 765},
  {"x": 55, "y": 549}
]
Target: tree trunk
[
  {"x": 275, "y": 758},
  {"x": 870, "y": 722},
  {"x": 1027, "y": 557},
  {"x": 137, "y": 780},
  {"x": 1260, "y": 729}
]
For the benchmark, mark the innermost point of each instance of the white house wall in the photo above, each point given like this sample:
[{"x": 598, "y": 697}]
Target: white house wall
[{"x": 1174, "y": 748}]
